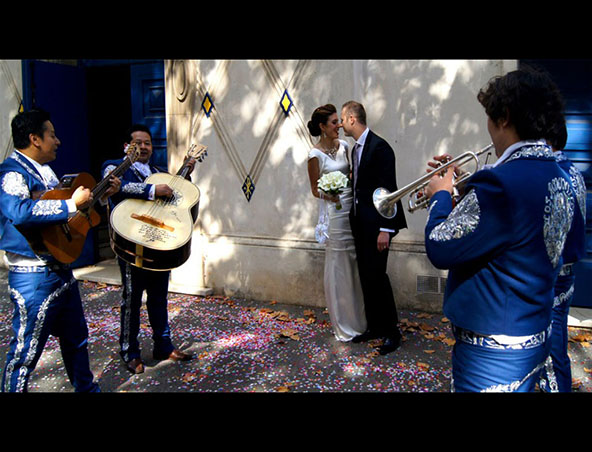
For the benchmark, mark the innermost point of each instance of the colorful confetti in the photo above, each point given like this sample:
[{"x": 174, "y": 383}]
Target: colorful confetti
[{"x": 246, "y": 346}]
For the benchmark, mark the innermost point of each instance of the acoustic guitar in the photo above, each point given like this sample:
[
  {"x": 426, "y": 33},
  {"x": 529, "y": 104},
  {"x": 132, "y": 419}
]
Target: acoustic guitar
[
  {"x": 156, "y": 235},
  {"x": 65, "y": 241}
]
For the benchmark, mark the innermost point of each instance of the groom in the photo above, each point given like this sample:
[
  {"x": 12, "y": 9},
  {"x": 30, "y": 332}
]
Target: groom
[{"x": 373, "y": 163}]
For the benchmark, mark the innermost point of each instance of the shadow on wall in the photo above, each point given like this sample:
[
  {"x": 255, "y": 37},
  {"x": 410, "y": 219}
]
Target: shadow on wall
[{"x": 422, "y": 108}]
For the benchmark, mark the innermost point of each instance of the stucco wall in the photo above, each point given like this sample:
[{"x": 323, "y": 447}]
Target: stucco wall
[{"x": 265, "y": 248}]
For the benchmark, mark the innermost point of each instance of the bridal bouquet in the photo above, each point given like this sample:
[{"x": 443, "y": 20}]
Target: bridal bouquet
[{"x": 333, "y": 184}]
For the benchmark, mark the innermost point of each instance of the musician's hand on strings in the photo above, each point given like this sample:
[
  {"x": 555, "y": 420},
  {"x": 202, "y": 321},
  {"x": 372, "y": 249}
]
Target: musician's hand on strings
[
  {"x": 82, "y": 197},
  {"x": 191, "y": 165},
  {"x": 114, "y": 187},
  {"x": 163, "y": 191}
]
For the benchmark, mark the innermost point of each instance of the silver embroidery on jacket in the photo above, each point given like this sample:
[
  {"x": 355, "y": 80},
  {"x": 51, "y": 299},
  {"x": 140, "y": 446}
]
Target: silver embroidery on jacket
[
  {"x": 532, "y": 152},
  {"x": 462, "y": 221},
  {"x": 580, "y": 187},
  {"x": 108, "y": 170},
  {"x": 559, "y": 211},
  {"x": 13, "y": 183},
  {"x": 47, "y": 207},
  {"x": 134, "y": 188}
]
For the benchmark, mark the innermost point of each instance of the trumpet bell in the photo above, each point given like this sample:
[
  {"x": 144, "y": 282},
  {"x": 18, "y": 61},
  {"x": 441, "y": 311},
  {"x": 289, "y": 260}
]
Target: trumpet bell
[{"x": 384, "y": 204}]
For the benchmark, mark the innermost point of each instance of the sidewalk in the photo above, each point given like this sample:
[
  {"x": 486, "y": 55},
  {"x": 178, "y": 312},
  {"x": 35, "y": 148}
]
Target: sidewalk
[{"x": 246, "y": 346}]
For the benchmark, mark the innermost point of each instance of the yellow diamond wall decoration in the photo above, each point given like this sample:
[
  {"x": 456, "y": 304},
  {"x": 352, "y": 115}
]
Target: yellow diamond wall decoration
[{"x": 286, "y": 102}]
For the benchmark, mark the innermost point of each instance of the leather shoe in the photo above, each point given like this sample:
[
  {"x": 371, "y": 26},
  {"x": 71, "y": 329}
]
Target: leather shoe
[
  {"x": 365, "y": 336},
  {"x": 135, "y": 366},
  {"x": 175, "y": 355},
  {"x": 390, "y": 344}
]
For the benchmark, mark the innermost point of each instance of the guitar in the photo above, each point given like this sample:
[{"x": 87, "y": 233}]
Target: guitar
[
  {"x": 65, "y": 241},
  {"x": 156, "y": 235}
]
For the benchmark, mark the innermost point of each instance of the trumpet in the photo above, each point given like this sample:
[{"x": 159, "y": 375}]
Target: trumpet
[{"x": 385, "y": 202}]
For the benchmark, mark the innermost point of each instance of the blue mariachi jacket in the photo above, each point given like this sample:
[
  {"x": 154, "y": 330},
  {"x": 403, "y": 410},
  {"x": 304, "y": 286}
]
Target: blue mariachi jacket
[
  {"x": 132, "y": 182},
  {"x": 575, "y": 245},
  {"x": 503, "y": 243},
  {"x": 19, "y": 213}
]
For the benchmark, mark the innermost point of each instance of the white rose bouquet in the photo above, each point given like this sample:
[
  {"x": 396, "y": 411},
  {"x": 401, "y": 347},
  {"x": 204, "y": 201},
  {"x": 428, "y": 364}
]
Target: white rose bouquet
[{"x": 333, "y": 184}]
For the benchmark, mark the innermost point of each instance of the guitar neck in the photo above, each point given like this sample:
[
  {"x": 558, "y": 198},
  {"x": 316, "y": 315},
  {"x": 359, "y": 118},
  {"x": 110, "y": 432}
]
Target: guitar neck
[
  {"x": 184, "y": 170},
  {"x": 104, "y": 184}
]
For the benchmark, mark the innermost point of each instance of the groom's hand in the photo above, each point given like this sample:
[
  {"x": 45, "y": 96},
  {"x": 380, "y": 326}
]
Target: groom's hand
[{"x": 383, "y": 241}]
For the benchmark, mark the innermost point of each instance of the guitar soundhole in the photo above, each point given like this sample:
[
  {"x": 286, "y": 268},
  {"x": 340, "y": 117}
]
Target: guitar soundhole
[{"x": 176, "y": 199}]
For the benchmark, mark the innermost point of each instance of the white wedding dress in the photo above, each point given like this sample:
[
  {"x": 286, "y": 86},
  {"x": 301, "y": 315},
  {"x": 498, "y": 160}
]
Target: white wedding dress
[{"x": 343, "y": 292}]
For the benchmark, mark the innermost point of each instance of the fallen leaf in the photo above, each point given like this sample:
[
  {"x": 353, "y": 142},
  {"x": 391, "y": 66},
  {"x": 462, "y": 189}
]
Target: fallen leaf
[
  {"x": 290, "y": 333},
  {"x": 188, "y": 377},
  {"x": 424, "y": 315},
  {"x": 429, "y": 352},
  {"x": 426, "y": 327},
  {"x": 444, "y": 320},
  {"x": 423, "y": 365}
]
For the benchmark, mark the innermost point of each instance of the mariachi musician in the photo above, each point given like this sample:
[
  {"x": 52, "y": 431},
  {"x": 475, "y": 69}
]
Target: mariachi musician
[
  {"x": 503, "y": 242},
  {"x": 556, "y": 375},
  {"x": 44, "y": 292},
  {"x": 137, "y": 280}
]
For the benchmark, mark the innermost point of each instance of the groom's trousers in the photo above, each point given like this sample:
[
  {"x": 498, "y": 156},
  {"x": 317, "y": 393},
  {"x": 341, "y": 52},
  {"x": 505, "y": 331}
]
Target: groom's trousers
[{"x": 381, "y": 311}]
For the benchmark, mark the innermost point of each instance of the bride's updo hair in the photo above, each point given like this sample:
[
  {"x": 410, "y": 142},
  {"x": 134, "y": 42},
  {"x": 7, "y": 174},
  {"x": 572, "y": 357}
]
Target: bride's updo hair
[{"x": 320, "y": 116}]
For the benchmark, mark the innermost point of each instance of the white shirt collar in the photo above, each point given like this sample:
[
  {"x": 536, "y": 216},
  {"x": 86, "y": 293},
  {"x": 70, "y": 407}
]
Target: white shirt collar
[
  {"x": 510, "y": 150},
  {"x": 362, "y": 139},
  {"x": 48, "y": 175},
  {"x": 143, "y": 168}
]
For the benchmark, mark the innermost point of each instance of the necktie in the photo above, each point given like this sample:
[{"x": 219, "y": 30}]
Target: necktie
[{"x": 355, "y": 171}]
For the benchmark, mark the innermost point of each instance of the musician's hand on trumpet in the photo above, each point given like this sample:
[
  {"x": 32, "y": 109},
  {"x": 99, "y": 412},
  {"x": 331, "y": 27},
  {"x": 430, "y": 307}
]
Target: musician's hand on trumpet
[
  {"x": 442, "y": 180},
  {"x": 454, "y": 170}
]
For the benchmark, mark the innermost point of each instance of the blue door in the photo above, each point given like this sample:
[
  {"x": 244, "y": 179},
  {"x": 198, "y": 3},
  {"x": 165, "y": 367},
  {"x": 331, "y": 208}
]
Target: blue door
[
  {"x": 148, "y": 105},
  {"x": 574, "y": 79},
  {"x": 60, "y": 89}
]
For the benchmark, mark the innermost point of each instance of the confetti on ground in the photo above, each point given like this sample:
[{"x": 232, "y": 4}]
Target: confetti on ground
[{"x": 247, "y": 346}]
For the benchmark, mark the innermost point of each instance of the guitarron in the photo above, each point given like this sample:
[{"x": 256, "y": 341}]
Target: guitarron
[
  {"x": 65, "y": 241},
  {"x": 156, "y": 235}
]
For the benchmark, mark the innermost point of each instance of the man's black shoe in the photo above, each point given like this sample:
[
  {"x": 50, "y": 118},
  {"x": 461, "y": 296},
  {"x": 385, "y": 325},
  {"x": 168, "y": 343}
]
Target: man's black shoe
[
  {"x": 364, "y": 337},
  {"x": 390, "y": 344}
]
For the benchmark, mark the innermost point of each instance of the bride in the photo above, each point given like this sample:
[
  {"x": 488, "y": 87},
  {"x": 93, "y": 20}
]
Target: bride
[{"x": 343, "y": 292}]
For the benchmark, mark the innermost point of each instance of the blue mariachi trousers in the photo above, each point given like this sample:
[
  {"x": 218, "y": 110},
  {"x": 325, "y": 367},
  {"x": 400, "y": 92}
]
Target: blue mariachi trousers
[
  {"x": 481, "y": 364},
  {"x": 556, "y": 375},
  {"x": 134, "y": 282},
  {"x": 46, "y": 302}
]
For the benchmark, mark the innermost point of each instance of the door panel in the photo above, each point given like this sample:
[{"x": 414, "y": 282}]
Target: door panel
[
  {"x": 60, "y": 89},
  {"x": 148, "y": 106}
]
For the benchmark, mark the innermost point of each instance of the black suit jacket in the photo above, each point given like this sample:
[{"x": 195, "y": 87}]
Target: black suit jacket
[{"x": 376, "y": 169}]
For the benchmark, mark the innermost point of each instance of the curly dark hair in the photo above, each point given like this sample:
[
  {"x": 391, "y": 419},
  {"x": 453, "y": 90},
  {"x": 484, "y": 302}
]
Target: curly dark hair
[
  {"x": 557, "y": 136},
  {"x": 320, "y": 116},
  {"x": 528, "y": 98}
]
